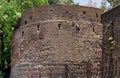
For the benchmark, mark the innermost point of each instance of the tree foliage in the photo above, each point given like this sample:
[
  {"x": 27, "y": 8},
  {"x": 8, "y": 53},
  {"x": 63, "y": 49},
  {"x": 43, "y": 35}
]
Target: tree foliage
[
  {"x": 28, "y": 4},
  {"x": 69, "y": 2},
  {"x": 114, "y": 3},
  {"x": 53, "y": 1},
  {"x": 10, "y": 13},
  {"x": 103, "y": 5}
]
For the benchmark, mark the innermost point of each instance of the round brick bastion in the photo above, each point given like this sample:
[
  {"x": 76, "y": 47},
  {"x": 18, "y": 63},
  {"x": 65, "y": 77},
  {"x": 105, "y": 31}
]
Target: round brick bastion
[{"x": 57, "y": 41}]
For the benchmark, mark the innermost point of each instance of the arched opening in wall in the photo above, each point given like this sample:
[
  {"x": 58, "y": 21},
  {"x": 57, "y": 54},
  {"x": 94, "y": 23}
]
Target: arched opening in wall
[
  {"x": 22, "y": 33},
  {"x": 84, "y": 12}
]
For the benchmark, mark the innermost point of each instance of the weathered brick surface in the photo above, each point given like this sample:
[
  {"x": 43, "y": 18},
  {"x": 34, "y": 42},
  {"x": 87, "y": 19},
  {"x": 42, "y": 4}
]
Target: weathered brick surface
[
  {"x": 111, "y": 47},
  {"x": 55, "y": 35}
]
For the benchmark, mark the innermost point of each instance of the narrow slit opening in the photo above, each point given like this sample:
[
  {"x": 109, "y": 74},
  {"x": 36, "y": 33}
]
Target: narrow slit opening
[
  {"x": 22, "y": 33},
  {"x": 59, "y": 26},
  {"x": 112, "y": 23},
  {"x": 51, "y": 10},
  {"x": 25, "y": 22},
  {"x": 30, "y": 17},
  {"x": 73, "y": 24},
  {"x": 78, "y": 29},
  {"x": 67, "y": 12},
  {"x": 84, "y": 12},
  {"x": 93, "y": 29},
  {"x": 37, "y": 27}
]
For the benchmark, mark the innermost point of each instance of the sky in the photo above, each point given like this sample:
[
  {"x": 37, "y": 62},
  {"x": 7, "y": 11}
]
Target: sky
[{"x": 85, "y": 2}]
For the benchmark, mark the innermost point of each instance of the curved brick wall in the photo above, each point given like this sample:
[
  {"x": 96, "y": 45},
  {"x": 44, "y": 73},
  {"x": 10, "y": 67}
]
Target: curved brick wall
[
  {"x": 111, "y": 52},
  {"x": 55, "y": 35}
]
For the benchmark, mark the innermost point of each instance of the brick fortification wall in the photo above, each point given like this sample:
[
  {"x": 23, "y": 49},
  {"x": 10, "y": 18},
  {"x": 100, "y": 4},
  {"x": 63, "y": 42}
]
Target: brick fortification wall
[
  {"x": 111, "y": 43},
  {"x": 58, "y": 41}
]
